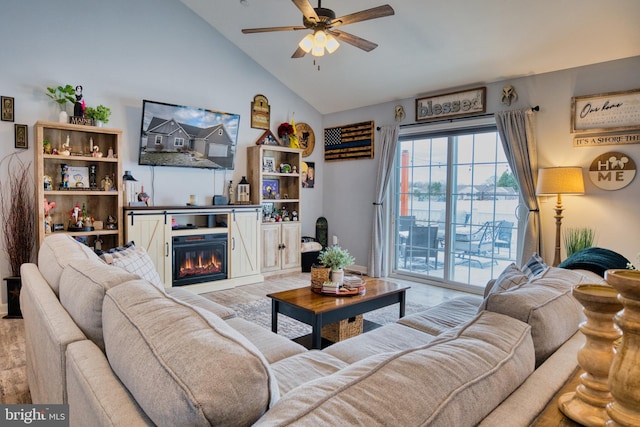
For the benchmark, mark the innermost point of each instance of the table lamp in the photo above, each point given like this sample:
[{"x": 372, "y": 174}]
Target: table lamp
[{"x": 559, "y": 181}]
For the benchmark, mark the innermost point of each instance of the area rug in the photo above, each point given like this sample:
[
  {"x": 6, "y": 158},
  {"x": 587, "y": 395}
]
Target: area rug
[{"x": 259, "y": 312}]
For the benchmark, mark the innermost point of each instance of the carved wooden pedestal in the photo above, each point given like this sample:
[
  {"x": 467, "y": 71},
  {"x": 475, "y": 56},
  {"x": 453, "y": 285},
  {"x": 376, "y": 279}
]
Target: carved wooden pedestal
[
  {"x": 587, "y": 405},
  {"x": 624, "y": 378}
]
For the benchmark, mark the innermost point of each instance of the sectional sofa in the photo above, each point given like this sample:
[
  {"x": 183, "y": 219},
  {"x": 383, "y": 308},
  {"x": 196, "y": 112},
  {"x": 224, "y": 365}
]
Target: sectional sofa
[{"x": 122, "y": 351}]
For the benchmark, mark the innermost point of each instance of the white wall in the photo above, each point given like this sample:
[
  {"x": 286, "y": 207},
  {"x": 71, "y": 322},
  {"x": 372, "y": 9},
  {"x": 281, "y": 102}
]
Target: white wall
[
  {"x": 613, "y": 214},
  {"x": 124, "y": 51}
]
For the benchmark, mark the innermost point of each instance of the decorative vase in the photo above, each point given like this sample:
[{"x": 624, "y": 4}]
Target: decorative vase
[
  {"x": 14, "y": 285},
  {"x": 63, "y": 117},
  {"x": 587, "y": 404},
  {"x": 624, "y": 376},
  {"x": 337, "y": 276},
  {"x": 98, "y": 123}
]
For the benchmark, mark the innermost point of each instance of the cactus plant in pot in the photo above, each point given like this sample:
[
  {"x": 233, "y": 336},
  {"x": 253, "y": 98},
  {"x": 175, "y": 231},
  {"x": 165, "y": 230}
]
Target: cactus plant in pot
[{"x": 336, "y": 258}]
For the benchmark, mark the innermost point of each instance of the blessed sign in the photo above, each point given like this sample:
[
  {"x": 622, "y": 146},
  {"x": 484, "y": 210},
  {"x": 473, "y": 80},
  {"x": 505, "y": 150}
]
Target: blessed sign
[{"x": 462, "y": 103}]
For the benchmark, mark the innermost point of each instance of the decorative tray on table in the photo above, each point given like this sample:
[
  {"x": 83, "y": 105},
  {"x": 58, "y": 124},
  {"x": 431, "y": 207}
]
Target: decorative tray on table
[{"x": 351, "y": 286}]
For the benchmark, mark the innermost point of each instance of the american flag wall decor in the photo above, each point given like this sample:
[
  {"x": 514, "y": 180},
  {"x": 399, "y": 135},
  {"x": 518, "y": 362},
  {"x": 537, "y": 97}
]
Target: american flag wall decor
[{"x": 354, "y": 141}]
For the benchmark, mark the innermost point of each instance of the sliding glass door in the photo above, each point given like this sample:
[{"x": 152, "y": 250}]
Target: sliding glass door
[{"x": 455, "y": 201}]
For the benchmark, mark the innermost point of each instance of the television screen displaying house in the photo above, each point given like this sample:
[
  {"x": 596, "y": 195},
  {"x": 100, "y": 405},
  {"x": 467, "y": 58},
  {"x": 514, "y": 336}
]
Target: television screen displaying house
[{"x": 181, "y": 136}]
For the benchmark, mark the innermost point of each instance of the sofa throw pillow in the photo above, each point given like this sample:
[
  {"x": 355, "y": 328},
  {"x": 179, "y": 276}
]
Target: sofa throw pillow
[
  {"x": 534, "y": 267},
  {"x": 510, "y": 278},
  {"x": 134, "y": 260},
  {"x": 83, "y": 285},
  {"x": 56, "y": 252}
]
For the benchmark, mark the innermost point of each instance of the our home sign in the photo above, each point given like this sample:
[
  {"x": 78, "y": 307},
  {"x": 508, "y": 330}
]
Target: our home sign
[{"x": 612, "y": 170}]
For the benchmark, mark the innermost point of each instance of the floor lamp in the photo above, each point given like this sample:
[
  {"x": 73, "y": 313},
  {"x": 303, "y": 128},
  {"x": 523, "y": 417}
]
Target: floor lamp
[{"x": 559, "y": 181}]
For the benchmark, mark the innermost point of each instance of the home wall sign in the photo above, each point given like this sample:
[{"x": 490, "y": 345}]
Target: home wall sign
[
  {"x": 595, "y": 140},
  {"x": 607, "y": 112},
  {"x": 260, "y": 112},
  {"x": 354, "y": 141},
  {"x": 453, "y": 104},
  {"x": 612, "y": 170}
]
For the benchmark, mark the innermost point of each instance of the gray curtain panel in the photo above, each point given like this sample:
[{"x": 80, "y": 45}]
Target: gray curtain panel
[
  {"x": 516, "y": 129},
  {"x": 377, "y": 255}
]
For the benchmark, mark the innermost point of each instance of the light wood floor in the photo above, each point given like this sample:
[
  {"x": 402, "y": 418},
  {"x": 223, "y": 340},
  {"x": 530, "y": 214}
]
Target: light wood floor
[{"x": 419, "y": 293}]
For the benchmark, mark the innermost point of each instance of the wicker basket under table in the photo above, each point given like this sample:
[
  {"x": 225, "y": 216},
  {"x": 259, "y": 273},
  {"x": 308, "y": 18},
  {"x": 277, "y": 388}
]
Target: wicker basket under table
[{"x": 343, "y": 329}]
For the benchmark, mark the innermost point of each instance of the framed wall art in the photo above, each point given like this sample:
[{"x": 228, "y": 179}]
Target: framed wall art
[
  {"x": 447, "y": 105},
  {"x": 260, "y": 112},
  {"x": 7, "y": 103},
  {"x": 308, "y": 176},
  {"x": 606, "y": 112},
  {"x": 21, "y": 136},
  {"x": 270, "y": 189},
  {"x": 268, "y": 164},
  {"x": 348, "y": 142}
]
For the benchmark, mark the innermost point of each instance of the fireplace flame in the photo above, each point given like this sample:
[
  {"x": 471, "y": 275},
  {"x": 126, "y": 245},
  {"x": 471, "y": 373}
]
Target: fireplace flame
[{"x": 202, "y": 262}]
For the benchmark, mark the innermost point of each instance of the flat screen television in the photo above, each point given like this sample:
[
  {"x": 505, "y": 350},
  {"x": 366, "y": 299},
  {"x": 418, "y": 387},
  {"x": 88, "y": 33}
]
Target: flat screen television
[{"x": 181, "y": 136}]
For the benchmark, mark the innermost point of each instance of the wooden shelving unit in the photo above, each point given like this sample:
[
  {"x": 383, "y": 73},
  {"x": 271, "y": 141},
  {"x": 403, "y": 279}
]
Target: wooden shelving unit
[
  {"x": 280, "y": 240},
  {"x": 99, "y": 203}
]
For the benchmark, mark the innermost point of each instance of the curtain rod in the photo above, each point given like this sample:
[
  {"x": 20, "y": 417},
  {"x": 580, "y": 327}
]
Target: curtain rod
[{"x": 477, "y": 116}]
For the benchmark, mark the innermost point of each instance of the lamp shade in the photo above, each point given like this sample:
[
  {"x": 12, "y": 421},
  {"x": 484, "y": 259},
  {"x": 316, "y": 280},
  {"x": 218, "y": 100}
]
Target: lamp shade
[{"x": 560, "y": 180}]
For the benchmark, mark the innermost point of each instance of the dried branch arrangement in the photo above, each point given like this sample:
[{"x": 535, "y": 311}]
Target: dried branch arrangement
[{"x": 17, "y": 212}]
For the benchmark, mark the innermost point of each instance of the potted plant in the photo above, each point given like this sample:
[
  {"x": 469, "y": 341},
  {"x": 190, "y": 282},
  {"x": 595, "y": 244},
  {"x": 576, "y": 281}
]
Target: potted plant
[
  {"x": 99, "y": 114},
  {"x": 62, "y": 95},
  {"x": 17, "y": 214},
  {"x": 336, "y": 259},
  {"x": 576, "y": 239}
]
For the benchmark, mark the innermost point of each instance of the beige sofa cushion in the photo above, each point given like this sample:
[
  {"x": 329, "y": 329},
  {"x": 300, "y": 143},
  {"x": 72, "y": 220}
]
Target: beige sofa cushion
[
  {"x": 391, "y": 337},
  {"x": 83, "y": 285},
  {"x": 202, "y": 302},
  {"x": 183, "y": 365},
  {"x": 442, "y": 317},
  {"x": 58, "y": 250},
  {"x": 545, "y": 303},
  {"x": 304, "y": 367},
  {"x": 457, "y": 379}
]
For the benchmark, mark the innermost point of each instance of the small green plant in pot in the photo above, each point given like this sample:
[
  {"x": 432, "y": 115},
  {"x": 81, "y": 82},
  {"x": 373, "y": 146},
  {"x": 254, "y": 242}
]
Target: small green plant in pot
[
  {"x": 99, "y": 114},
  {"x": 336, "y": 259},
  {"x": 62, "y": 95}
]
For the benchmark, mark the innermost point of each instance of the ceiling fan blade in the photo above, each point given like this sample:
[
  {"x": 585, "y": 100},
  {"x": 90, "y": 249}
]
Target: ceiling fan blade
[
  {"x": 363, "y": 15},
  {"x": 299, "y": 53},
  {"x": 307, "y": 10},
  {"x": 356, "y": 41},
  {"x": 269, "y": 29}
]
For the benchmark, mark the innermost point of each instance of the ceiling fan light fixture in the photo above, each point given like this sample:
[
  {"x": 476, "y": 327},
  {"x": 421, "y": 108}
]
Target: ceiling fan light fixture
[
  {"x": 317, "y": 51},
  {"x": 320, "y": 39},
  {"x": 306, "y": 43},
  {"x": 332, "y": 44}
]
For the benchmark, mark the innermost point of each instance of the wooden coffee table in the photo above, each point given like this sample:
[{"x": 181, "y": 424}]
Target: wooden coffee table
[{"x": 319, "y": 310}]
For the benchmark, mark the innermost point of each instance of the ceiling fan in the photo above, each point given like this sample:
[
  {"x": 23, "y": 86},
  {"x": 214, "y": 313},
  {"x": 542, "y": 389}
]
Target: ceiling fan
[{"x": 322, "y": 22}]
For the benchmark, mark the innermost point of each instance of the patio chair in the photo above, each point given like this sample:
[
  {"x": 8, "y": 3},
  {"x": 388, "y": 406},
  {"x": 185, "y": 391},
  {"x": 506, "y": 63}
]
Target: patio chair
[
  {"x": 503, "y": 236},
  {"x": 422, "y": 242},
  {"x": 479, "y": 243}
]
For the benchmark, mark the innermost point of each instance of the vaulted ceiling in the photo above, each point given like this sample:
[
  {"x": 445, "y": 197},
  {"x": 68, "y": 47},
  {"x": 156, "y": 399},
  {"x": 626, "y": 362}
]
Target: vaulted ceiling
[{"x": 428, "y": 46}]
